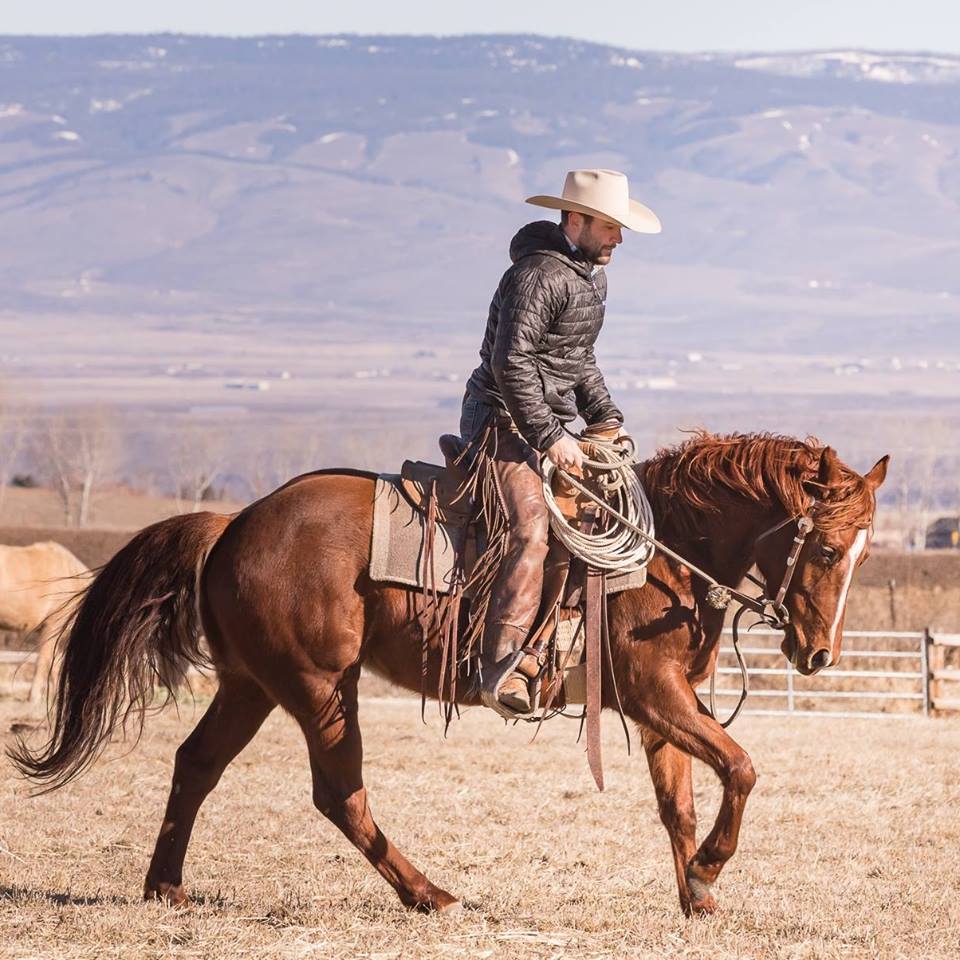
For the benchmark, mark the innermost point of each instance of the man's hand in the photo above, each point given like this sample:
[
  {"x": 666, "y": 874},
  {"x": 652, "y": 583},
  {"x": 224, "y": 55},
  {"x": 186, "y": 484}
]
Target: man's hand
[{"x": 566, "y": 454}]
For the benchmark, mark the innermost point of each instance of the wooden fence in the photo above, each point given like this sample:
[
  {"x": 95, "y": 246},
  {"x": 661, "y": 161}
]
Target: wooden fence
[
  {"x": 942, "y": 682},
  {"x": 904, "y": 674}
]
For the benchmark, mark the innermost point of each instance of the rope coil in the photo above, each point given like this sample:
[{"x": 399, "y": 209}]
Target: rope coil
[{"x": 617, "y": 547}]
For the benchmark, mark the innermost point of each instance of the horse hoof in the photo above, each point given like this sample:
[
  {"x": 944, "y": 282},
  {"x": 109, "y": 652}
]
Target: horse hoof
[
  {"x": 171, "y": 894},
  {"x": 452, "y": 909},
  {"x": 701, "y": 902},
  {"x": 701, "y": 907},
  {"x": 432, "y": 900}
]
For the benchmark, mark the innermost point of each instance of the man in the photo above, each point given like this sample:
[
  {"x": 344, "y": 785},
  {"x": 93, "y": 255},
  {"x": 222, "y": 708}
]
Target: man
[{"x": 537, "y": 372}]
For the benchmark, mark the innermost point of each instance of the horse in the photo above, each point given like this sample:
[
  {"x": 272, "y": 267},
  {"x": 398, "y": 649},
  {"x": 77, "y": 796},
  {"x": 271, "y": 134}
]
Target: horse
[
  {"x": 36, "y": 584},
  {"x": 282, "y": 592}
]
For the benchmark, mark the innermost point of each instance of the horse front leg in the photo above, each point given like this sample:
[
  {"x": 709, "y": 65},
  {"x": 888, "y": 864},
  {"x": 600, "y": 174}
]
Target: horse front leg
[
  {"x": 670, "y": 770},
  {"x": 43, "y": 672},
  {"x": 672, "y": 710}
]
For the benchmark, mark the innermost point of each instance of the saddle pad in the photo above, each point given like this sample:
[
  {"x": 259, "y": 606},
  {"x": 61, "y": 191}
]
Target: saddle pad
[{"x": 396, "y": 548}]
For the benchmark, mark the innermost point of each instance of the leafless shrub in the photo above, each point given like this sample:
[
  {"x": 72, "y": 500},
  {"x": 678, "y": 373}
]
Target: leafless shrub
[
  {"x": 76, "y": 455},
  {"x": 11, "y": 441},
  {"x": 196, "y": 456},
  {"x": 282, "y": 454}
]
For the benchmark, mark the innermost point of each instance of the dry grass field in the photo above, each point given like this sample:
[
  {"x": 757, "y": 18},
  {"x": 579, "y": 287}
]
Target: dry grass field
[
  {"x": 849, "y": 849},
  {"x": 113, "y": 509}
]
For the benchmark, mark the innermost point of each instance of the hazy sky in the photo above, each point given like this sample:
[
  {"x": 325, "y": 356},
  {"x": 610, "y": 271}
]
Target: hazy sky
[{"x": 642, "y": 24}]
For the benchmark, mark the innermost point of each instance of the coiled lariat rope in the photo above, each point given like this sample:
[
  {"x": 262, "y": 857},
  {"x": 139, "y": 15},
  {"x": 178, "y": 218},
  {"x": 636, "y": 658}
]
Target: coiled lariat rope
[
  {"x": 617, "y": 545},
  {"x": 718, "y": 595}
]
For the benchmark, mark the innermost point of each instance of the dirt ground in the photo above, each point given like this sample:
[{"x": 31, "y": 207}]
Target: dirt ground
[{"x": 848, "y": 848}]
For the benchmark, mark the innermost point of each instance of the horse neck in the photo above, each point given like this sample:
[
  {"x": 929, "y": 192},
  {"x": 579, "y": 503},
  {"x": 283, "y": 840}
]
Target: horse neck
[{"x": 722, "y": 540}]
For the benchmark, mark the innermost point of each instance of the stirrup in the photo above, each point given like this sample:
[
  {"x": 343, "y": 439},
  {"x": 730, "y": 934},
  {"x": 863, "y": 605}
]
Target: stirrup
[{"x": 490, "y": 688}]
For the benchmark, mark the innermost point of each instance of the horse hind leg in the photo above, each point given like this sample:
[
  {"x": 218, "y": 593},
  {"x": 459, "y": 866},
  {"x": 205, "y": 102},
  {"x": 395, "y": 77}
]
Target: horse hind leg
[
  {"x": 332, "y": 732},
  {"x": 233, "y": 718}
]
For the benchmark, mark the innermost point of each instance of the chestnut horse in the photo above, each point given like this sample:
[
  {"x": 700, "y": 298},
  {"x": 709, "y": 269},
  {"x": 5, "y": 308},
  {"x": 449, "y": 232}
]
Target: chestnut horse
[{"x": 282, "y": 593}]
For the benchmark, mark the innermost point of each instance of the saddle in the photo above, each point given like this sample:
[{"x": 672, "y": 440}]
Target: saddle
[
  {"x": 449, "y": 481},
  {"x": 420, "y": 480}
]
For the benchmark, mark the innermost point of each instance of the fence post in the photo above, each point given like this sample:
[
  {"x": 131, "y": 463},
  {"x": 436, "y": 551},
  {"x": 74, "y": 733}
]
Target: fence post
[
  {"x": 926, "y": 641},
  {"x": 790, "y": 700}
]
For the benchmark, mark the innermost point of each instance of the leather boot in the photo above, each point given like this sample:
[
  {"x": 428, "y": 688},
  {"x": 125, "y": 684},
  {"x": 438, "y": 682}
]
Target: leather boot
[{"x": 504, "y": 688}]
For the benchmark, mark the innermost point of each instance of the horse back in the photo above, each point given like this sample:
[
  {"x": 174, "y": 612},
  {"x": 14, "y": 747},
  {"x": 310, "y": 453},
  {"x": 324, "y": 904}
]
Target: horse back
[{"x": 34, "y": 581}]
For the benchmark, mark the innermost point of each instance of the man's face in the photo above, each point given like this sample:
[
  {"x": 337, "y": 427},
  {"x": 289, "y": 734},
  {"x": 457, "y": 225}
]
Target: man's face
[{"x": 596, "y": 237}]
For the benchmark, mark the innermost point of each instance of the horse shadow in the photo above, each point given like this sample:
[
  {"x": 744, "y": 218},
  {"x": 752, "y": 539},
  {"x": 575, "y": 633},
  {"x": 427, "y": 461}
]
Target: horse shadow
[{"x": 18, "y": 894}]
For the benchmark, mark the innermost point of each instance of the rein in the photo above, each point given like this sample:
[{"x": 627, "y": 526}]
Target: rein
[{"x": 771, "y": 612}]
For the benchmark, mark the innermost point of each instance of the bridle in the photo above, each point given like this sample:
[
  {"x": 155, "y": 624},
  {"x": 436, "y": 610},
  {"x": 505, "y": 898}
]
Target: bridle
[
  {"x": 772, "y": 612},
  {"x": 779, "y": 616}
]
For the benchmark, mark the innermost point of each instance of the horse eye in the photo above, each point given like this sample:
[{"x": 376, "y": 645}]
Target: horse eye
[{"x": 829, "y": 555}]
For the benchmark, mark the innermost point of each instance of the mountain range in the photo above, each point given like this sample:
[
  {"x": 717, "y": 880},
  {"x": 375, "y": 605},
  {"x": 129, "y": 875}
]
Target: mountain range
[{"x": 371, "y": 185}]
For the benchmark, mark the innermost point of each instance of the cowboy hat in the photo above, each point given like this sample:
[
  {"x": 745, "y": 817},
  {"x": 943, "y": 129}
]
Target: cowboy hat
[{"x": 601, "y": 193}]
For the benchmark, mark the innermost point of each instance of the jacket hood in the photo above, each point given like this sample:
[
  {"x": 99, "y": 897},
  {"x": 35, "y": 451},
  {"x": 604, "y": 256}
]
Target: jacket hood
[{"x": 546, "y": 237}]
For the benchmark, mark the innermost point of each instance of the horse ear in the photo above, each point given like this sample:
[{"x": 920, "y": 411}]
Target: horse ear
[
  {"x": 878, "y": 473},
  {"x": 829, "y": 473}
]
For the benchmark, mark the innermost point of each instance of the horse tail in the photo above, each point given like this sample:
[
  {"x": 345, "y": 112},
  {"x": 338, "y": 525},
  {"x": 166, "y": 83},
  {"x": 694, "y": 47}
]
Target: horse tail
[{"x": 135, "y": 628}]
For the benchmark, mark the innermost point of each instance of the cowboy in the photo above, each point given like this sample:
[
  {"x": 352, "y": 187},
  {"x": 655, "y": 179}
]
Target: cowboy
[{"x": 537, "y": 372}]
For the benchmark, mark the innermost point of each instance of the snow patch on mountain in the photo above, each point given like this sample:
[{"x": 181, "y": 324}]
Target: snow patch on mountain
[
  {"x": 858, "y": 65},
  {"x": 108, "y": 105}
]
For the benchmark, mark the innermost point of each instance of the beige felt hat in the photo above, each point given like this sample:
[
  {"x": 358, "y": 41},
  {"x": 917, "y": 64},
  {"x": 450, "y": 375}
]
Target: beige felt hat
[{"x": 602, "y": 193}]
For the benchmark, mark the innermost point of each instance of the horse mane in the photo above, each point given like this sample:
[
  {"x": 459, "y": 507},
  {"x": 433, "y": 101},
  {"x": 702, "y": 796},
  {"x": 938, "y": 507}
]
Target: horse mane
[{"x": 703, "y": 473}]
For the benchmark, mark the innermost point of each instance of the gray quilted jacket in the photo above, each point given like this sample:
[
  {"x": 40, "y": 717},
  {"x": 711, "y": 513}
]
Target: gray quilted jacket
[{"x": 537, "y": 359}]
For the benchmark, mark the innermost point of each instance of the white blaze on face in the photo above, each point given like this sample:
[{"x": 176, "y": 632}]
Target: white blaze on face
[{"x": 850, "y": 562}]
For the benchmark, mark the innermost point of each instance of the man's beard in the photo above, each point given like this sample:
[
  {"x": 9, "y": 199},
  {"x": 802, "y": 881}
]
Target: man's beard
[
  {"x": 597, "y": 254},
  {"x": 593, "y": 252}
]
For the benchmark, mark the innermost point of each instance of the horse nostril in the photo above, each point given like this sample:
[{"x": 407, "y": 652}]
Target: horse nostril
[{"x": 820, "y": 659}]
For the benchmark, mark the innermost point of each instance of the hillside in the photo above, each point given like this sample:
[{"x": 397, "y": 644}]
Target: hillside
[{"x": 367, "y": 180}]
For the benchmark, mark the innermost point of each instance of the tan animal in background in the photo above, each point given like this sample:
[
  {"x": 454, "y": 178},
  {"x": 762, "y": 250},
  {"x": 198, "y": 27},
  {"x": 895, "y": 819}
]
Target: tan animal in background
[{"x": 37, "y": 584}]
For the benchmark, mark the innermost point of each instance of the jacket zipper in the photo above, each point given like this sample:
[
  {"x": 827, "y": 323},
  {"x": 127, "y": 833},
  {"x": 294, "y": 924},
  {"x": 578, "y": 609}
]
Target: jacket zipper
[{"x": 593, "y": 283}]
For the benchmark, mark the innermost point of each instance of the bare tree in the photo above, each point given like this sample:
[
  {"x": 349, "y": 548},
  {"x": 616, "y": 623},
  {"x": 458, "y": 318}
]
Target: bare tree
[
  {"x": 77, "y": 454},
  {"x": 55, "y": 462},
  {"x": 196, "y": 457},
  {"x": 287, "y": 452},
  {"x": 11, "y": 442}
]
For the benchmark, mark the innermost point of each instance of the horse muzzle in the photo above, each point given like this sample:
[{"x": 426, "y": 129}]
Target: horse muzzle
[
  {"x": 789, "y": 646},
  {"x": 806, "y": 664}
]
